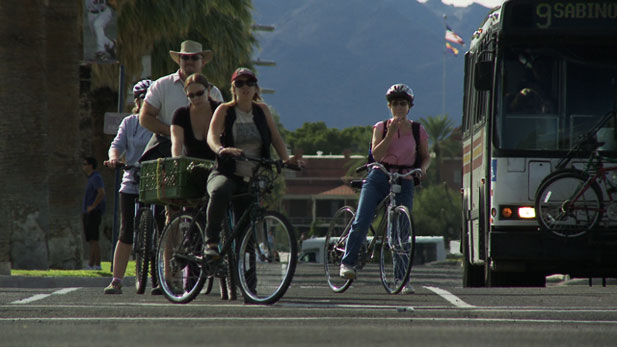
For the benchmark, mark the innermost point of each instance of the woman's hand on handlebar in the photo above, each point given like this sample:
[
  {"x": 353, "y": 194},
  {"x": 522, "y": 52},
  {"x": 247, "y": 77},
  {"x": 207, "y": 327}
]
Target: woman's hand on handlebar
[
  {"x": 113, "y": 163},
  {"x": 295, "y": 161},
  {"x": 230, "y": 151}
]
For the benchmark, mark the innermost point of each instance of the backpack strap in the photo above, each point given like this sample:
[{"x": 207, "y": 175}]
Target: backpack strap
[{"x": 415, "y": 129}]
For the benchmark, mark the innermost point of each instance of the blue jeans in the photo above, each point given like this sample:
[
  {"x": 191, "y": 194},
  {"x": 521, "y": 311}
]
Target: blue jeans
[{"x": 373, "y": 191}]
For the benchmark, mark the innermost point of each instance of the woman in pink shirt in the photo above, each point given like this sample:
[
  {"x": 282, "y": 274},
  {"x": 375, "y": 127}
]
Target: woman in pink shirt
[{"x": 397, "y": 151}]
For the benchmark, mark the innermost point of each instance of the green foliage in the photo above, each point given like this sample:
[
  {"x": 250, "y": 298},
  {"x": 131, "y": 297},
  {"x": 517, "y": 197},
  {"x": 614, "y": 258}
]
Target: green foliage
[
  {"x": 313, "y": 137},
  {"x": 154, "y": 27},
  {"x": 437, "y": 212}
]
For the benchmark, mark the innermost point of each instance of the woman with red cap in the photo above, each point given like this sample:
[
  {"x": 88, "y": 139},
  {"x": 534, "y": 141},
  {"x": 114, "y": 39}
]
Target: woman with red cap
[{"x": 241, "y": 126}]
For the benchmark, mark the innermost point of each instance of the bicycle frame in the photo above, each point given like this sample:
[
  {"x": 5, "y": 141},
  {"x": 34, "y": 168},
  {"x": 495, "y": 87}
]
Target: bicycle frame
[{"x": 388, "y": 203}]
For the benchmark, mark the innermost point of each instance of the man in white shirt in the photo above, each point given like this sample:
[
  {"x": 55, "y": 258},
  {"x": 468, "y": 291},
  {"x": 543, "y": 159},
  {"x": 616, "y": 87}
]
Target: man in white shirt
[{"x": 167, "y": 94}]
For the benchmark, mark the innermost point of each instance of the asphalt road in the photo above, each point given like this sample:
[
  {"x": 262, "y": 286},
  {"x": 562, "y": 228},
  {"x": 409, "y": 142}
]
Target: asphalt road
[{"x": 440, "y": 313}]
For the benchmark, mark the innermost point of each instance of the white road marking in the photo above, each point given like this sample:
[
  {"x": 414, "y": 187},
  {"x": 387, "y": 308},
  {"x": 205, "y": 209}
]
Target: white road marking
[
  {"x": 451, "y": 298},
  {"x": 43, "y": 296}
]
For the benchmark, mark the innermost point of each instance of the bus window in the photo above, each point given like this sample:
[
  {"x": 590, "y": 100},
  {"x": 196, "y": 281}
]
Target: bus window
[{"x": 528, "y": 81}]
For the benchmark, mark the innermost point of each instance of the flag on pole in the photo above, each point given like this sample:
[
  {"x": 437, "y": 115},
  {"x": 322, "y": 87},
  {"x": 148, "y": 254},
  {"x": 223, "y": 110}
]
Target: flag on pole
[
  {"x": 453, "y": 37},
  {"x": 452, "y": 49}
]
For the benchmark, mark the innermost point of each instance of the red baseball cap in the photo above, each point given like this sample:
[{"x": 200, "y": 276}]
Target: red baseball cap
[{"x": 242, "y": 71}]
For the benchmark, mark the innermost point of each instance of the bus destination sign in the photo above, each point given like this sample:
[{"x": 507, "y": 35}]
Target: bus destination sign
[{"x": 579, "y": 14}]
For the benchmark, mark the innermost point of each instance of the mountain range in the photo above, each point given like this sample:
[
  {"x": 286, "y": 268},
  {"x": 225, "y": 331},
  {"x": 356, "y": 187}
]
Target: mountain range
[{"x": 335, "y": 59}]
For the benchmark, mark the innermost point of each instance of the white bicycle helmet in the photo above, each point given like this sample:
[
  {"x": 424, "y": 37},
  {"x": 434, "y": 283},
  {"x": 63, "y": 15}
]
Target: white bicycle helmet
[
  {"x": 400, "y": 91},
  {"x": 140, "y": 88}
]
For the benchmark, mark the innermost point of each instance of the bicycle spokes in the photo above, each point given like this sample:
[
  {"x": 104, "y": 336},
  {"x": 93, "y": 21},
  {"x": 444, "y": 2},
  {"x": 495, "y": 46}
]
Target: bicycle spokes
[
  {"x": 397, "y": 250},
  {"x": 334, "y": 248},
  {"x": 179, "y": 259},
  {"x": 267, "y": 259}
]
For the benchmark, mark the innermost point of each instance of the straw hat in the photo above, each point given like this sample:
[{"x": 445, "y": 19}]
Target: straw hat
[{"x": 189, "y": 47}]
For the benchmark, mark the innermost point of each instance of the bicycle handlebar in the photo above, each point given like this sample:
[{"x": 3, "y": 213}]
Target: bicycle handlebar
[
  {"x": 416, "y": 172},
  {"x": 278, "y": 164},
  {"x": 126, "y": 167}
]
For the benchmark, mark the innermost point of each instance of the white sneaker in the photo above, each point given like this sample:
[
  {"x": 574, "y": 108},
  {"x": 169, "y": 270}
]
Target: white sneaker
[
  {"x": 347, "y": 272},
  {"x": 408, "y": 289}
]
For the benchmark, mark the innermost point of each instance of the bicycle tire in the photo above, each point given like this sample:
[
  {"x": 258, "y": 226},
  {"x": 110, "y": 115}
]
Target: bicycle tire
[
  {"x": 179, "y": 259},
  {"x": 398, "y": 245},
  {"x": 267, "y": 262},
  {"x": 334, "y": 247},
  {"x": 557, "y": 214},
  {"x": 232, "y": 276},
  {"x": 143, "y": 242},
  {"x": 208, "y": 284}
]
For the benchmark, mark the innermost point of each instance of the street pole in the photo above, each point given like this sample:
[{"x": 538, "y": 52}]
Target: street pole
[{"x": 114, "y": 230}]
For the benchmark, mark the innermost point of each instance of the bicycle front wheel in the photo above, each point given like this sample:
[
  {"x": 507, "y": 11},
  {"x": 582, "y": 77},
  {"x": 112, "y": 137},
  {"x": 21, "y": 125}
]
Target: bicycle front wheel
[
  {"x": 398, "y": 246},
  {"x": 334, "y": 248},
  {"x": 267, "y": 259},
  {"x": 179, "y": 259},
  {"x": 144, "y": 229},
  {"x": 568, "y": 205}
]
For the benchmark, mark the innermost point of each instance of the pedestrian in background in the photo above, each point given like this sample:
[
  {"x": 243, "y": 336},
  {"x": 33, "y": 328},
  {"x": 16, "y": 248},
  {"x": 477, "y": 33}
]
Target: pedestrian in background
[
  {"x": 129, "y": 142},
  {"x": 93, "y": 208}
]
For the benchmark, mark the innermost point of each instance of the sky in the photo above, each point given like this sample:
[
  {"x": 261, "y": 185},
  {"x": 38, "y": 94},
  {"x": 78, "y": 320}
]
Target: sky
[{"x": 464, "y": 3}]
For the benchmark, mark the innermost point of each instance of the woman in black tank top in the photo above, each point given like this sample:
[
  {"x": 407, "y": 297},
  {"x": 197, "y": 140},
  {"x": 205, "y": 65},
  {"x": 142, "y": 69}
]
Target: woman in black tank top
[{"x": 190, "y": 124}]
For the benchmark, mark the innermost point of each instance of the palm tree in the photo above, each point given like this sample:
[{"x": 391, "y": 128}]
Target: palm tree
[
  {"x": 438, "y": 129},
  {"x": 23, "y": 125},
  {"x": 42, "y": 128},
  {"x": 153, "y": 27}
]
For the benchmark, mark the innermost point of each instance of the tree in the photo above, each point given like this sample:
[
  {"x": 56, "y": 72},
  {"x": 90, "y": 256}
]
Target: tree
[
  {"x": 438, "y": 129},
  {"x": 41, "y": 124},
  {"x": 154, "y": 27},
  {"x": 316, "y": 136},
  {"x": 437, "y": 212}
]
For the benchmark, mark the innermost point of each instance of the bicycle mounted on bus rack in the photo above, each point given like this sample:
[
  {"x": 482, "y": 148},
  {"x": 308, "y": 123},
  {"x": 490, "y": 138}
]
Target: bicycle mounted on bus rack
[
  {"x": 570, "y": 202},
  {"x": 259, "y": 249},
  {"x": 396, "y": 251}
]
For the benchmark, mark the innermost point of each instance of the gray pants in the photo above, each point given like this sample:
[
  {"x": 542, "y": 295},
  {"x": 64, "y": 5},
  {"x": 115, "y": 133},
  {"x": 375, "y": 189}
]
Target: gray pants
[{"x": 221, "y": 188}]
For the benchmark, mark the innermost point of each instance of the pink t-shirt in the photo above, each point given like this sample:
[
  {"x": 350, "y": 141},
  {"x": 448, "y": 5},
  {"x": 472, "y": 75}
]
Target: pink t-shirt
[{"x": 402, "y": 150}]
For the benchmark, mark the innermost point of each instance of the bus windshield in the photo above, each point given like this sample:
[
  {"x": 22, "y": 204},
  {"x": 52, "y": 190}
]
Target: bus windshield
[{"x": 551, "y": 95}]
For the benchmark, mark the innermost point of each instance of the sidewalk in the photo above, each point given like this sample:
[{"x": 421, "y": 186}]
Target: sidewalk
[{"x": 58, "y": 282}]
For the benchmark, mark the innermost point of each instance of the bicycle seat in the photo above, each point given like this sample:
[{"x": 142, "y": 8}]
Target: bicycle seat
[{"x": 357, "y": 184}]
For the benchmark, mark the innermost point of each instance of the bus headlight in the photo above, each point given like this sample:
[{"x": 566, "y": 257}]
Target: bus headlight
[
  {"x": 526, "y": 212},
  {"x": 511, "y": 212}
]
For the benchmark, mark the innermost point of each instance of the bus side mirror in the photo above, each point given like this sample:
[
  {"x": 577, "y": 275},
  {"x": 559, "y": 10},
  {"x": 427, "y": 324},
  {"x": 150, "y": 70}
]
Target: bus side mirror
[{"x": 483, "y": 75}]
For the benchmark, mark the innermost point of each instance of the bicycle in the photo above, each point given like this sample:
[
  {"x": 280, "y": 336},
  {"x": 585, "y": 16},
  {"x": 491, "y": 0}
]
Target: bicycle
[
  {"x": 259, "y": 250},
  {"x": 395, "y": 235},
  {"x": 569, "y": 202},
  {"x": 145, "y": 234}
]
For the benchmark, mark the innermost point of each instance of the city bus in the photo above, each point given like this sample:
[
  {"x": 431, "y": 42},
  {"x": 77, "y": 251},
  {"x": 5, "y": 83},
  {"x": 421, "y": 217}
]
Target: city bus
[{"x": 538, "y": 74}]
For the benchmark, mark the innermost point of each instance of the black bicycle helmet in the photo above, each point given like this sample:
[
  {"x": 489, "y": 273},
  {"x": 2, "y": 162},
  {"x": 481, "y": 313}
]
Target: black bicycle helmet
[
  {"x": 400, "y": 91},
  {"x": 140, "y": 88}
]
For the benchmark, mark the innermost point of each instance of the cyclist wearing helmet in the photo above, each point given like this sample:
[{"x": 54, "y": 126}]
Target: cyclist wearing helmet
[
  {"x": 397, "y": 151},
  {"x": 130, "y": 141}
]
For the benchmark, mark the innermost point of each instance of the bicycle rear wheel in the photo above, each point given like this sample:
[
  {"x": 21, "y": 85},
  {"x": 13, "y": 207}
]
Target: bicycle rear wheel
[
  {"x": 566, "y": 207},
  {"x": 334, "y": 247},
  {"x": 267, "y": 259},
  {"x": 398, "y": 246},
  {"x": 143, "y": 247},
  {"x": 179, "y": 259}
]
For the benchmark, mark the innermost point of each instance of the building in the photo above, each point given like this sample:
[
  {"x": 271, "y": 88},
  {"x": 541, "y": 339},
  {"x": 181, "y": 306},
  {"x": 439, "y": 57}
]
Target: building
[{"x": 315, "y": 193}]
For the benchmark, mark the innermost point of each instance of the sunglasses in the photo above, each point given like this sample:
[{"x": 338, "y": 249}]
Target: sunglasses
[
  {"x": 193, "y": 57},
  {"x": 196, "y": 94},
  {"x": 400, "y": 103},
  {"x": 240, "y": 84}
]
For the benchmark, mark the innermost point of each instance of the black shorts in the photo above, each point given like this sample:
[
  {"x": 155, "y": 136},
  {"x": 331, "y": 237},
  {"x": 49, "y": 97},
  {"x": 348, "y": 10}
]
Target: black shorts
[
  {"x": 127, "y": 217},
  {"x": 92, "y": 222}
]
